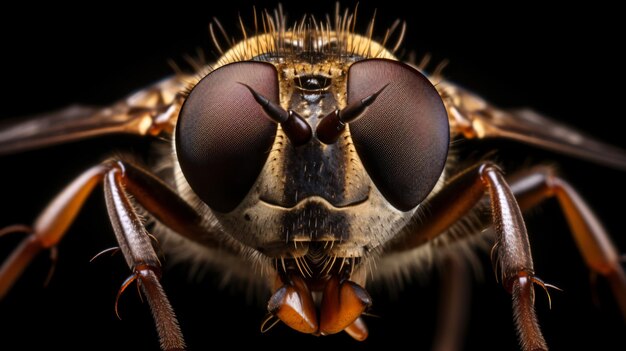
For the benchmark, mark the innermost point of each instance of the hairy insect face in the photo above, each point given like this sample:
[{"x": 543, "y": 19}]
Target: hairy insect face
[
  {"x": 289, "y": 198},
  {"x": 309, "y": 155}
]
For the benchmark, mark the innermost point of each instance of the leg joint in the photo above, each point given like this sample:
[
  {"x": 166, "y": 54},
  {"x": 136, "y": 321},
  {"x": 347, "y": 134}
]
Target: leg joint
[
  {"x": 143, "y": 269},
  {"x": 487, "y": 167}
]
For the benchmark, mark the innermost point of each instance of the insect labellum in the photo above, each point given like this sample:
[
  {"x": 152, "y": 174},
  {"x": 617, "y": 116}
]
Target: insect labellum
[{"x": 313, "y": 155}]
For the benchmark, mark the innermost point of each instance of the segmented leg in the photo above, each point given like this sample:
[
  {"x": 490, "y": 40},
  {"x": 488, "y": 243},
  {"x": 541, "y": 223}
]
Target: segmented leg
[
  {"x": 529, "y": 188},
  {"x": 595, "y": 245},
  {"x": 514, "y": 258},
  {"x": 141, "y": 258},
  {"x": 453, "y": 308},
  {"x": 51, "y": 225},
  {"x": 152, "y": 194}
]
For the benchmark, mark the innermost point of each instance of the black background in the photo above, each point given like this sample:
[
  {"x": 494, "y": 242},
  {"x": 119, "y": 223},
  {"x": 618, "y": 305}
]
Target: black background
[{"x": 563, "y": 62}]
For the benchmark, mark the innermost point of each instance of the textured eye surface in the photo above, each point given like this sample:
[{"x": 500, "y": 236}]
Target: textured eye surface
[
  {"x": 402, "y": 138},
  {"x": 223, "y": 136}
]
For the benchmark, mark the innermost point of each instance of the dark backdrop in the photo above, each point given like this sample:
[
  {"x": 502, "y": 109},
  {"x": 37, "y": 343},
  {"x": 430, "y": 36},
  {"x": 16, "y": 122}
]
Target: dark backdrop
[{"x": 554, "y": 60}]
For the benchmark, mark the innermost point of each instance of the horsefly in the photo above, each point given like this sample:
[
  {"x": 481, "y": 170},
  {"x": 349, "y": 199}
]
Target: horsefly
[{"x": 309, "y": 161}]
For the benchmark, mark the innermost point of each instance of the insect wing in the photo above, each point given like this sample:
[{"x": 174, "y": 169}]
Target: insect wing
[
  {"x": 470, "y": 113},
  {"x": 148, "y": 111}
]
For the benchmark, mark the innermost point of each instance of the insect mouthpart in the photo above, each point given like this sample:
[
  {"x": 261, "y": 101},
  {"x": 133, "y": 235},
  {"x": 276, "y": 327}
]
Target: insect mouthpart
[
  {"x": 319, "y": 293},
  {"x": 315, "y": 261}
]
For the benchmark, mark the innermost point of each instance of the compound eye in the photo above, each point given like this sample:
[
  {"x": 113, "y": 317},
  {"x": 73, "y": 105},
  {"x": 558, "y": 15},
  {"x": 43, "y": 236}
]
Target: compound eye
[
  {"x": 402, "y": 138},
  {"x": 223, "y": 136}
]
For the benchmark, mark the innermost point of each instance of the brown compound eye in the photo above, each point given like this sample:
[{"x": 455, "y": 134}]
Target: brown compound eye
[
  {"x": 402, "y": 137},
  {"x": 223, "y": 135}
]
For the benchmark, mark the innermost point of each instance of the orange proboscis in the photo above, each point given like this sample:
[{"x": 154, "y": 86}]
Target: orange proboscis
[
  {"x": 342, "y": 304},
  {"x": 293, "y": 304}
]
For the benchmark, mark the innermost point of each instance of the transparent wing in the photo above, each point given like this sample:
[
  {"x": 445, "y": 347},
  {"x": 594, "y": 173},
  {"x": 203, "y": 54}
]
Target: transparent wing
[
  {"x": 474, "y": 118},
  {"x": 150, "y": 111},
  {"x": 65, "y": 125}
]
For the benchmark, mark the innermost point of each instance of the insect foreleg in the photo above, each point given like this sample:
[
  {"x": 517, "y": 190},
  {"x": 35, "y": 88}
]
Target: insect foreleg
[
  {"x": 135, "y": 244},
  {"x": 514, "y": 256},
  {"x": 595, "y": 245},
  {"x": 151, "y": 193},
  {"x": 514, "y": 259}
]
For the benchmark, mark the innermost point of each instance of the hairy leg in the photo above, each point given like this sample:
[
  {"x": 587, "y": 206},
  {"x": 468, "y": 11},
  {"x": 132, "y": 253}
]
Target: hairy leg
[
  {"x": 120, "y": 179},
  {"x": 514, "y": 259}
]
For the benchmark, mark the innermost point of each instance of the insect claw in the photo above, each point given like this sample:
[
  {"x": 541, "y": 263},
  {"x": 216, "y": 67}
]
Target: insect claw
[
  {"x": 545, "y": 287},
  {"x": 125, "y": 285}
]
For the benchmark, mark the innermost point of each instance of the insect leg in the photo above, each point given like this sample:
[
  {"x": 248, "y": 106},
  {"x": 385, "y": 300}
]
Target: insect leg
[
  {"x": 454, "y": 304},
  {"x": 154, "y": 195},
  {"x": 140, "y": 256},
  {"x": 514, "y": 258},
  {"x": 51, "y": 225},
  {"x": 595, "y": 245},
  {"x": 151, "y": 193},
  {"x": 168, "y": 207}
]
